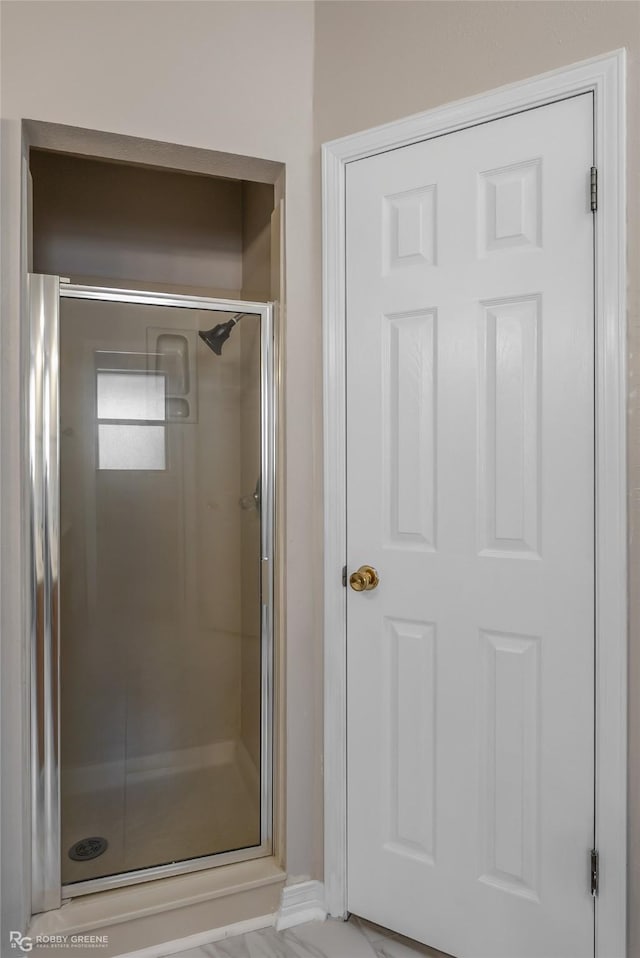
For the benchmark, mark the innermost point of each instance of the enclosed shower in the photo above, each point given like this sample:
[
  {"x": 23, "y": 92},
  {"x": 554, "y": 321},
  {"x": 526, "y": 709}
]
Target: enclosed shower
[{"x": 151, "y": 452}]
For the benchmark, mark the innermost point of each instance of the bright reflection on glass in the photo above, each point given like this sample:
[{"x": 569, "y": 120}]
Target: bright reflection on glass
[
  {"x": 131, "y": 447},
  {"x": 130, "y": 395}
]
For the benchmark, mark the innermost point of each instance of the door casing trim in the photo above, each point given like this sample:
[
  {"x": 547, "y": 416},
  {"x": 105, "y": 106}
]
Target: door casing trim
[{"x": 605, "y": 77}]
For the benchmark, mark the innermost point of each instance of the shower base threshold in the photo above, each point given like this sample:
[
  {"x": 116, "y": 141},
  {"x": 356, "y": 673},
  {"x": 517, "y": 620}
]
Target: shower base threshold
[{"x": 155, "y": 912}]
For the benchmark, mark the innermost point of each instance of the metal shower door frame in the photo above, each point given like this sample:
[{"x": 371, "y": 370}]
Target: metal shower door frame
[{"x": 43, "y": 454}]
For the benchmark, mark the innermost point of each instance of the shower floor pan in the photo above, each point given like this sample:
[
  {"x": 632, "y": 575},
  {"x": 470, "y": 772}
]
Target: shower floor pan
[{"x": 160, "y": 819}]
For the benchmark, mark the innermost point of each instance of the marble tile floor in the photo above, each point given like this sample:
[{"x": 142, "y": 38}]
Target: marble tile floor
[{"x": 317, "y": 939}]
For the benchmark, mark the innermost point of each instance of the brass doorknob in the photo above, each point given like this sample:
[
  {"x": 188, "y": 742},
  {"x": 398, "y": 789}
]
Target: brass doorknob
[{"x": 364, "y": 579}]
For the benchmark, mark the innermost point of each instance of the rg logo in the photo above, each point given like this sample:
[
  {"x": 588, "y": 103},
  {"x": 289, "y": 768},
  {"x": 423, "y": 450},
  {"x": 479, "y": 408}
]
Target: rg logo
[{"x": 20, "y": 941}]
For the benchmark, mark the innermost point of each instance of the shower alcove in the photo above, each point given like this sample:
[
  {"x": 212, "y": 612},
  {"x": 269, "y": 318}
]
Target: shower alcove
[{"x": 153, "y": 356}]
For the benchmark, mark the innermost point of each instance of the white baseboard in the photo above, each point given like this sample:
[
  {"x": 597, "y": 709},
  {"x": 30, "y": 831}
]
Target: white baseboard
[
  {"x": 302, "y": 902},
  {"x": 204, "y": 938}
]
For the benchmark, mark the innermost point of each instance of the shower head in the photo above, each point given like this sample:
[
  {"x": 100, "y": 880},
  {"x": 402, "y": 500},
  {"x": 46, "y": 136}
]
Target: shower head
[{"x": 216, "y": 337}]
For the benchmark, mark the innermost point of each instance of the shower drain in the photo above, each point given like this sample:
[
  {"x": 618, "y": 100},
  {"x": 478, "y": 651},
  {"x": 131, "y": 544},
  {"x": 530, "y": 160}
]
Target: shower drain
[{"x": 88, "y": 848}]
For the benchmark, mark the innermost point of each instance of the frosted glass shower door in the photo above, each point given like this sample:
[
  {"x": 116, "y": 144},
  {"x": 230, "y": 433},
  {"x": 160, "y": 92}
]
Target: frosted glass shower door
[{"x": 165, "y": 513}]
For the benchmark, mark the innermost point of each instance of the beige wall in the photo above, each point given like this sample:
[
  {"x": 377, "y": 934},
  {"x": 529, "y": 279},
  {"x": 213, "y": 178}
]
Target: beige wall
[
  {"x": 234, "y": 77},
  {"x": 157, "y": 72},
  {"x": 379, "y": 61}
]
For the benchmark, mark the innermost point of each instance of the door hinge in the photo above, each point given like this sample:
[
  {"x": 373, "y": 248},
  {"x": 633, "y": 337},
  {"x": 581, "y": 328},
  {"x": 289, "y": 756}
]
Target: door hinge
[
  {"x": 595, "y": 872},
  {"x": 344, "y": 576},
  {"x": 594, "y": 189}
]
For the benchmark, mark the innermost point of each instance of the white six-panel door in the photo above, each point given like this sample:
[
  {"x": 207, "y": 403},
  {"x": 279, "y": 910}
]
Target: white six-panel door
[{"x": 470, "y": 488}]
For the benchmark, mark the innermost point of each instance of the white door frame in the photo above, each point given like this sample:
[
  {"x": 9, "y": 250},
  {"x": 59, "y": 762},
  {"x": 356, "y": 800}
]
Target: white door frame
[{"x": 605, "y": 77}]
